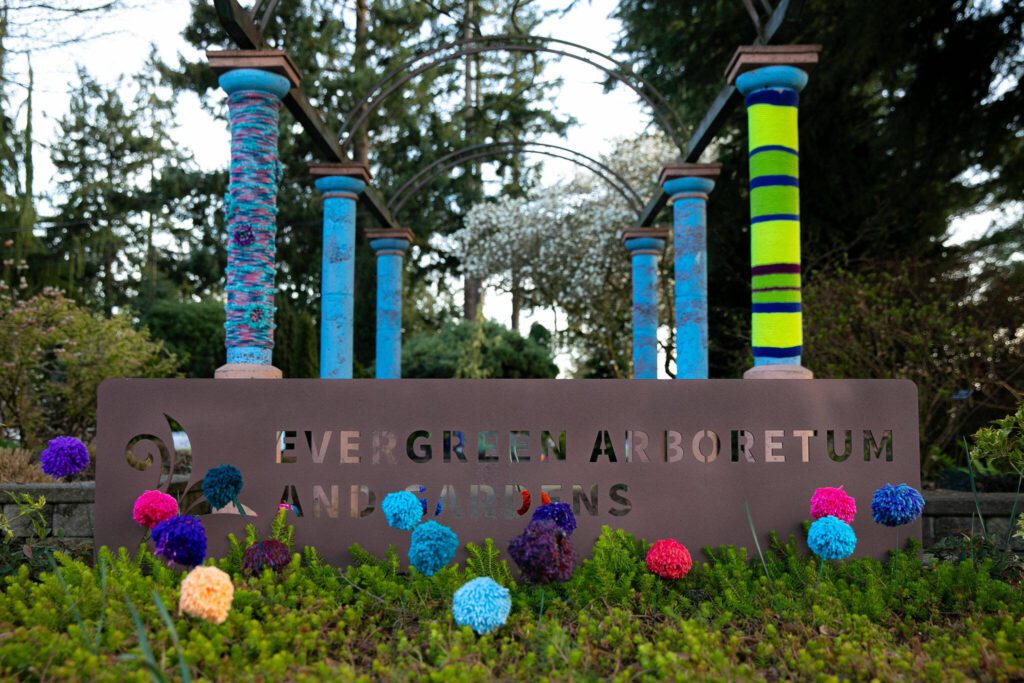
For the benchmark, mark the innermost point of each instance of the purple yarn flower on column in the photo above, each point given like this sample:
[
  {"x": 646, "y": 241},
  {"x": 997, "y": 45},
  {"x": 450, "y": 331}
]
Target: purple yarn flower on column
[
  {"x": 243, "y": 235},
  {"x": 64, "y": 456}
]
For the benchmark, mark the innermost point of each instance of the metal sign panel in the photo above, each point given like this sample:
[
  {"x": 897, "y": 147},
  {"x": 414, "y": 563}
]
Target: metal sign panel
[{"x": 656, "y": 458}]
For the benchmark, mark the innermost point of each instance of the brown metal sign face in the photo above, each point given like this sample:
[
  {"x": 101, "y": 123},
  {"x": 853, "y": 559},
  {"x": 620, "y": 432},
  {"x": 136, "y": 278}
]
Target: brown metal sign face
[{"x": 656, "y": 458}]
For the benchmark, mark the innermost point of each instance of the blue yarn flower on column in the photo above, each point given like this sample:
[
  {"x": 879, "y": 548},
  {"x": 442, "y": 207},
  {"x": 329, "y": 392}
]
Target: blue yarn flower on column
[
  {"x": 830, "y": 538},
  {"x": 402, "y": 510},
  {"x": 482, "y": 604},
  {"x": 896, "y": 505},
  {"x": 63, "y": 457},
  {"x": 181, "y": 539},
  {"x": 222, "y": 485},
  {"x": 433, "y": 546},
  {"x": 559, "y": 513}
]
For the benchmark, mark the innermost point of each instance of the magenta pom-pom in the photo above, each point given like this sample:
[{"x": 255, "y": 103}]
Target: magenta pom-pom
[{"x": 832, "y": 501}]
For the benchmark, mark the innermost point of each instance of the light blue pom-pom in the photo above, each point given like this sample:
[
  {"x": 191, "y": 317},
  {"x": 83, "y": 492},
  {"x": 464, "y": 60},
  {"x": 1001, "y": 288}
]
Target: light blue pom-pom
[
  {"x": 433, "y": 546},
  {"x": 402, "y": 510},
  {"x": 482, "y": 604},
  {"x": 896, "y": 505},
  {"x": 830, "y": 538}
]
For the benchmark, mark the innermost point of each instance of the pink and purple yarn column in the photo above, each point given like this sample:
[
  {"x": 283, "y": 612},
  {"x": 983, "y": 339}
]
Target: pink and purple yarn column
[{"x": 254, "y": 100}]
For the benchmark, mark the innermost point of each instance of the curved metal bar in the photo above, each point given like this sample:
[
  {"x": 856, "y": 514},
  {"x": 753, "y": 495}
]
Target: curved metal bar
[
  {"x": 366, "y": 107},
  {"x": 481, "y": 155},
  {"x": 397, "y": 194}
]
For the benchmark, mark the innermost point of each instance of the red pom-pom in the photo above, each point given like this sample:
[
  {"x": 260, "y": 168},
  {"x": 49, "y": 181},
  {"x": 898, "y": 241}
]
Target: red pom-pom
[{"x": 669, "y": 559}]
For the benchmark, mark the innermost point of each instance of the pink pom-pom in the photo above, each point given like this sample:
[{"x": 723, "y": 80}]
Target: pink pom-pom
[
  {"x": 669, "y": 559},
  {"x": 153, "y": 507},
  {"x": 830, "y": 501}
]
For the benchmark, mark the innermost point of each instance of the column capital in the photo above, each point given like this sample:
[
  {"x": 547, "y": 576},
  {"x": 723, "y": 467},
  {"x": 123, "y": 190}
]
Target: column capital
[
  {"x": 274, "y": 61},
  {"x": 340, "y": 178},
  {"x": 750, "y": 57},
  {"x": 644, "y": 240},
  {"x": 389, "y": 240},
  {"x": 696, "y": 179}
]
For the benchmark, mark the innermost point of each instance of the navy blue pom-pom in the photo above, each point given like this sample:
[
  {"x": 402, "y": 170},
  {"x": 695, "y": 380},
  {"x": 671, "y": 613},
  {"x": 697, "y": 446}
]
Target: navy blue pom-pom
[{"x": 222, "y": 485}]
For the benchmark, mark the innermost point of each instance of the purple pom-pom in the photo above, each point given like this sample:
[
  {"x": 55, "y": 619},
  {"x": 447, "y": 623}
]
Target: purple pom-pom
[
  {"x": 181, "y": 539},
  {"x": 896, "y": 505},
  {"x": 559, "y": 513},
  {"x": 64, "y": 456},
  {"x": 543, "y": 552},
  {"x": 262, "y": 554}
]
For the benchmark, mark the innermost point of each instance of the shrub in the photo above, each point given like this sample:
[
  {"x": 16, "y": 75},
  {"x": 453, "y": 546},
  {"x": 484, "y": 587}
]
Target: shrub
[{"x": 478, "y": 350}]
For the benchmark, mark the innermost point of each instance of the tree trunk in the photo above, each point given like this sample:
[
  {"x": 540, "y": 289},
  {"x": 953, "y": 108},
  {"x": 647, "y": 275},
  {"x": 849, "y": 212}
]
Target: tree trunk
[
  {"x": 473, "y": 287},
  {"x": 362, "y": 142}
]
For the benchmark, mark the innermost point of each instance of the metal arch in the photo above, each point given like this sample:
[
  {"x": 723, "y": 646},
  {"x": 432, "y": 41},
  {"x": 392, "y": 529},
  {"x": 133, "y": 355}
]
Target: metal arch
[
  {"x": 637, "y": 200},
  {"x": 490, "y": 153},
  {"x": 365, "y": 106}
]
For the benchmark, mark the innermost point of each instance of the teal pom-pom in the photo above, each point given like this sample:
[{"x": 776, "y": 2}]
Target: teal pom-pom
[
  {"x": 403, "y": 510},
  {"x": 830, "y": 538},
  {"x": 222, "y": 485},
  {"x": 433, "y": 546},
  {"x": 482, "y": 604}
]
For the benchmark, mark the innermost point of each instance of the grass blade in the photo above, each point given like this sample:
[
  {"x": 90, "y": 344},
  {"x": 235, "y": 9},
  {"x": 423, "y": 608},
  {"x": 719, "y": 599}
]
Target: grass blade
[
  {"x": 149, "y": 659},
  {"x": 974, "y": 489},
  {"x": 757, "y": 544},
  {"x": 186, "y": 677},
  {"x": 1013, "y": 514},
  {"x": 74, "y": 605}
]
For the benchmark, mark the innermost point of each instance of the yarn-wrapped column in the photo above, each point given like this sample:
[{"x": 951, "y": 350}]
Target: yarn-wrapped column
[
  {"x": 772, "y": 100},
  {"x": 254, "y": 100},
  {"x": 390, "y": 251},
  {"x": 337, "y": 285},
  {"x": 644, "y": 253}
]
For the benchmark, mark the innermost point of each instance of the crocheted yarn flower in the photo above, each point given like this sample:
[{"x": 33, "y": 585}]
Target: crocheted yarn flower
[
  {"x": 153, "y": 507},
  {"x": 181, "y": 539},
  {"x": 831, "y": 538},
  {"x": 559, "y": 513},
  {"x": 831, "y": 501},
  {"x": 402, "y": 510},
  {"x": 543, "y": 552},
  {"x": 896, "y": 505},
  {"x": 221, "y": 486},
  {"x": 669, "y": 559},
  {"x": 482, "y": 604},
  {"x": 433, "y": 546},
  {"x": 206, "y": 593},
  {"x": 64, "y": 456},
  {"x": 262, "y": 554}
]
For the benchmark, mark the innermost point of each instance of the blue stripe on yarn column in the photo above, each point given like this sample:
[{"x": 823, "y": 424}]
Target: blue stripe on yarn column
[
  {"x": 254, "y": 99},
  {"x": 644, "y": 252},
  {"x": 689, "y": 197},
  {"x": 337, "y": 279},
  {"x": 390, "y": 252}
]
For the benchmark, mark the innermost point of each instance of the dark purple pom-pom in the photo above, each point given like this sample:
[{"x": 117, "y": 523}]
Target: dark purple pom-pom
[
  {"x": 181, "y": 539},
  {"x": 64, "y": 456},
  {"x": 559, "y": 513},
  {"x": 262, "y": 554},
  {"x": 543, "y": 553}
]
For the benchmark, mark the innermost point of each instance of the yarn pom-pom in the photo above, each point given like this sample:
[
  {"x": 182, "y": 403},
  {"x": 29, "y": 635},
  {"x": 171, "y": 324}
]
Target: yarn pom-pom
[
  {"x": 221, "y": 486},
  {"x": 831, "y": 538},
  {"x": 206, "y": 593},
  {"x": 63, "y": 457},
  {"x": 181, "y": 539},
  {"x": 831, "y": 501},
  {"x": 559, "y": 513},
  {"x": 262, "y": 554},
  {"x": 482, "y": 604},
  {"x": 543, "y": 552},
  {"x": 433, "y": 546},
  {"x": 896, "y": 505},
  {"x": 153, "y": 507},
  {"x": 669, "y": 559},
  {"x": 402, "y": 509}
]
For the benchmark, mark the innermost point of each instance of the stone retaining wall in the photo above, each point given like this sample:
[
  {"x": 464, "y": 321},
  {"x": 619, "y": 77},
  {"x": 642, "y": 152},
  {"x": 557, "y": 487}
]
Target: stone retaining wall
[{"x": 69, "y": 511}]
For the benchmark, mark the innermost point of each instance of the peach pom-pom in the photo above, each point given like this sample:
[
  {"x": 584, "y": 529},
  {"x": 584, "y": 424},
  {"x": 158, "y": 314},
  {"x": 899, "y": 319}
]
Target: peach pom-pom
[
  {"x": 830, "y": 501},
  {"x": 669, "y": 559},
  {"x": 153, "y": 507},
  {"x": 206, "y": 593}
]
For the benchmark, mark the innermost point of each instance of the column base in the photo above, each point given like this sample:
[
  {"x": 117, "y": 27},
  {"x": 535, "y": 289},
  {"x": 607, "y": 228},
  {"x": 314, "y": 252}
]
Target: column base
[
  {"x": 247, "y": 371},
  {"x": 778, "y": 372}
]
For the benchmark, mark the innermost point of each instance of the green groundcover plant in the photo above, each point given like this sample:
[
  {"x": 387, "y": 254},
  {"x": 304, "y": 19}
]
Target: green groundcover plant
[{"x": 730, "y": 618}]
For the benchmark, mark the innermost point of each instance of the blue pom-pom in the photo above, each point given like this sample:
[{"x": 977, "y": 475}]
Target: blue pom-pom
[
  {"x": 482, "y": 604},
  {"x": 559, "y": 513},
  {"x": 830, "y": 538},
  {"x": 222, "y": 485},
  {"x": 63, "y": 457},
  {"x": 896, "y": 505},
  {"x": 181, "y": 539},
  {"x": 433, "y": 546},
  {"x": 402, "y": 510}
]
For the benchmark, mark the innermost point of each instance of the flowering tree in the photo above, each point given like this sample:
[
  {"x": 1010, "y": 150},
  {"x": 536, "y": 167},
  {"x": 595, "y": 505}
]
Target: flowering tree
[{"x": 559, "y": 248}]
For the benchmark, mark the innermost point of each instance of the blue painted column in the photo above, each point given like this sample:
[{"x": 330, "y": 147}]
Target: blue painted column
[
  {"x": 254, "y": 100},
  {"x": 645, "y": 246},
  {"x": 341, "y": 185},
  {"x": 390, "y": 246},
  {"x": 688, "y": 186}
]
